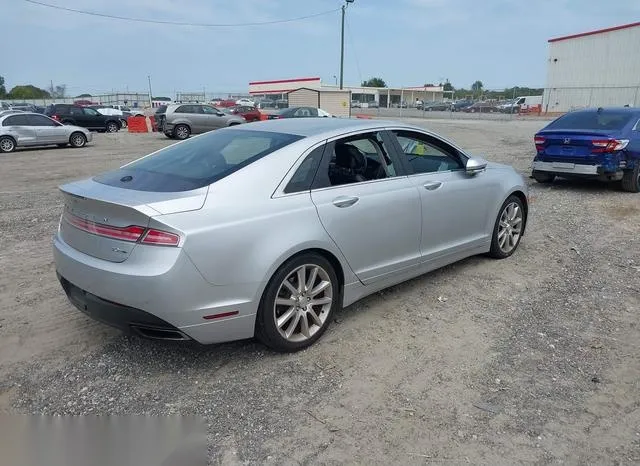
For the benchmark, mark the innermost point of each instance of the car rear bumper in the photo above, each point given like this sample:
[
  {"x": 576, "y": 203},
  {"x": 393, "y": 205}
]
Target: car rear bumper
[
  {"x": 171, "y": 297},
  {"x": 568, "y": 168}
]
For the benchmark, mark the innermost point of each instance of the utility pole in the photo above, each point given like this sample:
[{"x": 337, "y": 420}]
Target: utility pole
[
  {"x": 150, "y": 94},
  {"x": 344, "y": 8}
]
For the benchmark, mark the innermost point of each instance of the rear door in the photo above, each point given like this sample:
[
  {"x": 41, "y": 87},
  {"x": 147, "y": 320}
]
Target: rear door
[
  {"x": 456, "y": 209},
  {"x": 371, "y": 212},
  {"x": 47, "y": 130},
  {"x": 19, "y": 128}
]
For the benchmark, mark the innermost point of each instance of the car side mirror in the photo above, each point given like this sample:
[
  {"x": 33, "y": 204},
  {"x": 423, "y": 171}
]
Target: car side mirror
[{"x": 475, "y": 165}]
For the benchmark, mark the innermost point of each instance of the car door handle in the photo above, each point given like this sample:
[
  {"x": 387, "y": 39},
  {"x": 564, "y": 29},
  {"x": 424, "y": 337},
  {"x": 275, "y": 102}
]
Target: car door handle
[
  {"x": 345, "y": 201},
  {"x": 432, "y": 185}
]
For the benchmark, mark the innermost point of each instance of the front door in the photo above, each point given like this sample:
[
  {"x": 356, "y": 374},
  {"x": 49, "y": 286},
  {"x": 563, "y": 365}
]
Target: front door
[
  {"x": 213, "y": 117},
  {"x": 456, "y": 208},
  {"x": 368, "y": 207}
]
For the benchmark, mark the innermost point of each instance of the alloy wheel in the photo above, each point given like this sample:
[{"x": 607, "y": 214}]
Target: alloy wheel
[
  {"x": 510, "y": 227},
  {"x": 77, "y": 140},
  {"x": 303, "y": 303},
  {"x": 7, "y": 145}
]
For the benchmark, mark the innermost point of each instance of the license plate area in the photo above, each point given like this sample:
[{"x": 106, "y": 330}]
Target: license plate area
[{"x": 564, "y": 165}]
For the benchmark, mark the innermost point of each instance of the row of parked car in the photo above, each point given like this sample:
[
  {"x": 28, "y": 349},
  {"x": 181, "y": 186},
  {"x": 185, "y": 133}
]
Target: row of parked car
[{"x": 179, "y": 121}]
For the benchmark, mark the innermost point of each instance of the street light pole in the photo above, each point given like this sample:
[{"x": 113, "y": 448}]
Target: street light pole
[{"x": 344, "y": 8}]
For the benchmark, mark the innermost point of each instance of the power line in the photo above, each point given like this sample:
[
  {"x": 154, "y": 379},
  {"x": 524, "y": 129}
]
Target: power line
[
  {"x": 178, "y": 23},
  {"x": 355, "y": 51}
]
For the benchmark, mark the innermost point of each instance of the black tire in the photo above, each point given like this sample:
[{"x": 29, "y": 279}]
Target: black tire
[
  {"x": 543, "y": 177},
  {"x": 7, "y": 144},
  {"x": 496, "y": 251},
  {"x": 266, "y": 327},
  {"x": 123, "y": 123},
  {"x": 112, "y": 127},
  {"x": 77, "y": 140},
  {"x": 181, "y": 132},
  {"x": 631, "y": 179}
]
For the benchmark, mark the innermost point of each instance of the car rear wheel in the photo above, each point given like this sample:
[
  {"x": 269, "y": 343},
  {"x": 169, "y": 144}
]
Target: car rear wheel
[
  {"x": 543, "y": 177},
  {"x": 631, "y": 179},
  {"x": 298, "y": 303},
  {"x": 77, "y": 140},
  {"x": 7, "y": 144},
  {"x": 123, "y": 123},
  {"x": 508, "y": 228},
  {"x": 112, "y": 127},
  {"x": 181, "y": 132}
]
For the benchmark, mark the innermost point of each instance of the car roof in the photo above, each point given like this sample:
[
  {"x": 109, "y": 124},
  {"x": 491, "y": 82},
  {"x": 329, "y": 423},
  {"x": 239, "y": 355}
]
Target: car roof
[
  {"x": 2, "y": 117},
  {"x": 320, "y": 126},
  {"x": 632, "y": 110}
]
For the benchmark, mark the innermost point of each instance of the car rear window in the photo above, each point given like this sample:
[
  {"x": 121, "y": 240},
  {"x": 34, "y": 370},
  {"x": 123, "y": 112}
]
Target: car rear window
[
  {"x": 605, "y": 120},
  {"x": 197, "y": 162}
]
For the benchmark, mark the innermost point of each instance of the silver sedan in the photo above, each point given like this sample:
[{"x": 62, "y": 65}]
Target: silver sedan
[
  {"x": 268, "y": 229},
  {"x": 33, "y": 129}
]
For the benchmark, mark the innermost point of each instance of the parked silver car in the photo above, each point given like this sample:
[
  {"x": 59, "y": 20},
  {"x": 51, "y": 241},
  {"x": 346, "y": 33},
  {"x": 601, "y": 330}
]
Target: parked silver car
[
  {"x": 268, "y": 229},
  {"x": 179, "y": 121},
  {"x": 34, "y": 129}
]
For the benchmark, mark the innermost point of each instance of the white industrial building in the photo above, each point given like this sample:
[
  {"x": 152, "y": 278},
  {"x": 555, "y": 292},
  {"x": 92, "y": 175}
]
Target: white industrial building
[
  {"x": 382, "y": 96},
  {"x": 594, "y": 69}
]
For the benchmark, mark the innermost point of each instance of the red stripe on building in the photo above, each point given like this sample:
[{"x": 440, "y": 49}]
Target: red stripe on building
[
  {"x": 599, "y": 31},
  {"x": 275, "y": 91},
  {"x": 255, "y": 83}
]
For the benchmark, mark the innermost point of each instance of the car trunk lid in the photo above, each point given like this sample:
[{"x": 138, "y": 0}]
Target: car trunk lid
[
  {"x": 572, "y": 143},
  {"x": 108, "y": 222}
]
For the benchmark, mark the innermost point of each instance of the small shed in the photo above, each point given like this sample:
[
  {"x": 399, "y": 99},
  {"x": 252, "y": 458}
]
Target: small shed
[{"x": 335, "y": 101}]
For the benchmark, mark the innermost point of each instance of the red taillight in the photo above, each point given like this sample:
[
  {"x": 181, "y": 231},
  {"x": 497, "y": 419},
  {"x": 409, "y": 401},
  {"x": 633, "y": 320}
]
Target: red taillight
[
  {"x": 601, "y": 146},
  {"x": 131, "y": 233},
  {"x": 161, "y": 238},
  {"x": 539, "y": 142}
]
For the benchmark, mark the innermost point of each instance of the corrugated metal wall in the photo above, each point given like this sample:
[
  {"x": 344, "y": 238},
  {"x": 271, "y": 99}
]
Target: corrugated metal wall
[
  {"x": 337, "y": 103},
  {"x": 596, "y": 70}
]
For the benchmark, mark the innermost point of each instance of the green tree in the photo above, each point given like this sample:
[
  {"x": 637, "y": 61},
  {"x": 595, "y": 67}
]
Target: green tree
[
  {"x": 164, "y": 99},
  {"x": 28, "y": 91},
  {"x": 82, "y": 96},
  {"x": 448, "y": 87},
  {"x": 3, "y": 90},
  {"x": 374, "y": 82},
  {"x": 477, "y": 86}
]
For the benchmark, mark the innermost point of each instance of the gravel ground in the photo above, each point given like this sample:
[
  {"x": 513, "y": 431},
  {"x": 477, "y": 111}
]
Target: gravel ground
[{"x": 533, "y": 359}]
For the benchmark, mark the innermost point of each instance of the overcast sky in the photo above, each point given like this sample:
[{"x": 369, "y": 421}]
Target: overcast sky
[{"x": 406, "y": 42}]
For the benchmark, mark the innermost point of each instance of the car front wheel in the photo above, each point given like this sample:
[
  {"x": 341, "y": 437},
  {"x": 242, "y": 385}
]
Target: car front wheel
[
  {"x": 298, "y": 303},
  {"x": 508, "y": 229},
  {"x": 78, "y": 140},
  {"x": 112, "y": 127}
]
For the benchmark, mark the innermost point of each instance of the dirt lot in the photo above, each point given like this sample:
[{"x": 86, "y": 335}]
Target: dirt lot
[{"x": 533, "y": 359}]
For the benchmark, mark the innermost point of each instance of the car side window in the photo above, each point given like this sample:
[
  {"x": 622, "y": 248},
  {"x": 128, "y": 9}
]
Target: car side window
[
  {"x": 302, "y": 112},
  {"x": 16, "y": 120},
  {"x": 39, "y": 120},
  {"x": 90, "y": 111},
  {"x": 75, "y": 111},
  {"x": 426, "y": 154},
  {"x": 306, "y": 172},
  {"x": 354, "y": 160},
  {"x": 188, "y": 109},
  {"x": 209, "y": 110}
]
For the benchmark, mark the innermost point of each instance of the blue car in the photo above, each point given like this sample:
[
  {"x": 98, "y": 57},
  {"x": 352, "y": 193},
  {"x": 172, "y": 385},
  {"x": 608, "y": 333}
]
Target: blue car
[{"x": 601, "y": 143}]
